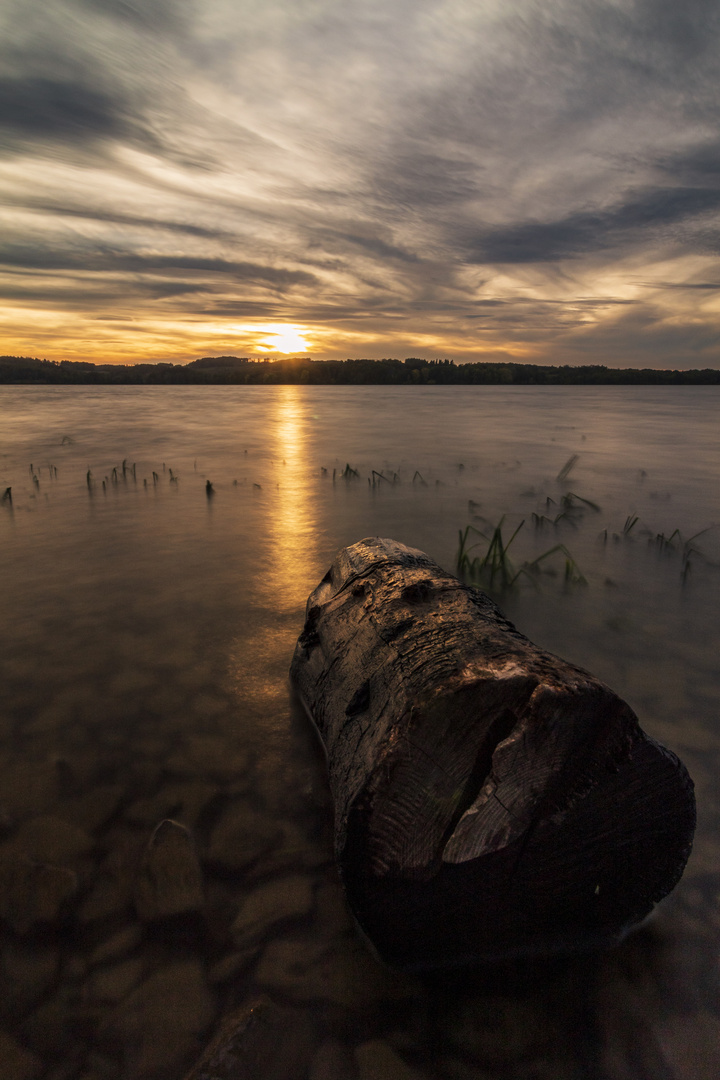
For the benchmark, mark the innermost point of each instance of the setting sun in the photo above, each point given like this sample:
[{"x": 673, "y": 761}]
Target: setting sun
[{"x": 285, "y": 338}]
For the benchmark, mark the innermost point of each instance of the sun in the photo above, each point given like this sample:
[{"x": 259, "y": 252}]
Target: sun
[{"x": 285, "y": 338}]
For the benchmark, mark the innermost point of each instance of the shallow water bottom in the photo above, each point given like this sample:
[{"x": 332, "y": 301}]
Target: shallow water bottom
[{"x": 147, "y": 635}]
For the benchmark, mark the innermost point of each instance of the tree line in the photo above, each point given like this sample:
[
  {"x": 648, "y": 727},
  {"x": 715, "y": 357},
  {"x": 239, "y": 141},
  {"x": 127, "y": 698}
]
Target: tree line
[{"x": 413, "y": 371}]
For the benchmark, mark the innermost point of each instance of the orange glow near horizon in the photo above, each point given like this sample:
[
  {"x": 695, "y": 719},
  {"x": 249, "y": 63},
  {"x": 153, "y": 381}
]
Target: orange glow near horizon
[{"x": 140, "y": 338}]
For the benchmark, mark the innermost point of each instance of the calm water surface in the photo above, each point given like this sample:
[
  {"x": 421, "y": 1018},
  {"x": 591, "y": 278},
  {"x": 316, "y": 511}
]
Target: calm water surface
[{"x": 147, "y": 631}]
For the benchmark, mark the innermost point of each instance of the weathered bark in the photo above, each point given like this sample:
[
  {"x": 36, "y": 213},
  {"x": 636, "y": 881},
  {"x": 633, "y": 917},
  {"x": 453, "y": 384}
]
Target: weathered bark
[{"x": 491, "y": 800}]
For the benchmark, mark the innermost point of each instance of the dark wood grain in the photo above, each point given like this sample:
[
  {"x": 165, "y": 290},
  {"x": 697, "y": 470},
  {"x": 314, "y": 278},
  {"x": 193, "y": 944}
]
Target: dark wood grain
[{"x": 491, "y": 800}]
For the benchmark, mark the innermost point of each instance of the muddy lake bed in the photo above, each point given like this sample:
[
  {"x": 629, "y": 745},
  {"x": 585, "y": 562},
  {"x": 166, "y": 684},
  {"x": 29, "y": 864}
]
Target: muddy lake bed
[{"x": 148, "y": 623}]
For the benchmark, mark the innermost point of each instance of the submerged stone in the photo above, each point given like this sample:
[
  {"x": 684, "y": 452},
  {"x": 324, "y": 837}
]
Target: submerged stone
[
  {"x": 113, "y": 983},
  {"x": 343, "y": 974},
  {"x": 232, "y": 964},
  {"x": 158, "y": 1026},
  {"x": 16, "y": 1062},
  {"x": 33, "y": 892},
  {"x": 241, "y": 837},
  {"x": 170, "y": 879},
  {"x": 259, "y": 1041},
  {"x": 332, "y": 1061},
  {"x": 49, "y": 839},
  {"x": 376, "y": 1060},
  {"x": 183, "y": 801},
  {"x": 27, "y": 971},
  {"x": 273, "y": 902},
  {"x": 120, "y": 944}
]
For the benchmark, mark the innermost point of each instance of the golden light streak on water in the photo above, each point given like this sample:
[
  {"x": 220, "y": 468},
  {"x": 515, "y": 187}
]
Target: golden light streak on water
[{"x": 292, "y": 524}]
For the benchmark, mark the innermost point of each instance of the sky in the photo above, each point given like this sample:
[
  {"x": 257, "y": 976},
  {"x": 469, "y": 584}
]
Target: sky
[{"x": 481, "y": 180}]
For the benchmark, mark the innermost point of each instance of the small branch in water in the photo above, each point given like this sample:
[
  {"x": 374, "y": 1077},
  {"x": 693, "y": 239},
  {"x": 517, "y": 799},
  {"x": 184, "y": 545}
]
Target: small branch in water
[{"x": 568, "y": 467}]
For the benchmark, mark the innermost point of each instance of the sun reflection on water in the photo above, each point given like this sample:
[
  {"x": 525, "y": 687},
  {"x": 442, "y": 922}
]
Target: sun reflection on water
[
  {"x": 292, "y": 525},
  {"x": 286, "y": 560}
]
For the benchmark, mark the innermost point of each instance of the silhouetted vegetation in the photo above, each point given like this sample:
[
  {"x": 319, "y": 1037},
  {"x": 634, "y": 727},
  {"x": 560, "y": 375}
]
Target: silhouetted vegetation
[{"x": 414, "y": 371}]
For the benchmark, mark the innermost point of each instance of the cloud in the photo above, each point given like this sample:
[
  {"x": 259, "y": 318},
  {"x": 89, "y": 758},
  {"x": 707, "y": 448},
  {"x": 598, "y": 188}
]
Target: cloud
[
  {"x": 646, "y": 337},
  {"x": 42, "y": 107},
  {"x": 157, "y": 15},
  {"x": 640, "y": 217},
  {"x": 33, "y": 258},
  {"x": 100, "y": 216},
  {"x": 525, "y": 179}
]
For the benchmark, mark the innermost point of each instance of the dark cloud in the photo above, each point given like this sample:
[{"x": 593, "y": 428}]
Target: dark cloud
[
  {"x": 346, "y": 242},
  {"x": 88, "y": 260},
  {"x": 587, "y": 232},
  {"x": 74, "y": 81},
  {"x": 69, "y": 116},
  {"x": 685, "y": 33},
  {"x": 157, "y": 15},
  {"x": 238, "y": 271},
  {"x": 82, "y": 296},
  {"x": 37, "y": 107},
  {"x": 136, "y": 221},
  {"x": 645, "y": 337},
  {"x": 416, "y": 178},
  {"x": 698, "y": 164},
  {"x": 705, "y": 286}
]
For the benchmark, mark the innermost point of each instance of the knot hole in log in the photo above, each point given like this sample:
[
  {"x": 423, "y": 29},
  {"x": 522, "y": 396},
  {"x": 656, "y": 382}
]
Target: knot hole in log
[
  {"x": 419, "y": 592},
  {"x": 360, "y": 700},
  {"x": 309, "y": 638}
]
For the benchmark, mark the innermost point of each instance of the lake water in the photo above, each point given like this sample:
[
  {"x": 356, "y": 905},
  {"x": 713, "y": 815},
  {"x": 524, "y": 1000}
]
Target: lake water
[{"x": 148, "y": 627}]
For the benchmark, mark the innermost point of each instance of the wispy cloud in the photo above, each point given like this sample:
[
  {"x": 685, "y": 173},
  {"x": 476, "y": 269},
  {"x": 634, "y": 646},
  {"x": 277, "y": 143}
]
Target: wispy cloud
[{"x": 443, "y": 177}]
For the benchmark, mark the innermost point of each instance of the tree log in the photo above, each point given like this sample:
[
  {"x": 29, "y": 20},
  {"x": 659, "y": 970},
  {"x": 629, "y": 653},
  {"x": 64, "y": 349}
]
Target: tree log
[{"x": 491, "y": 800}]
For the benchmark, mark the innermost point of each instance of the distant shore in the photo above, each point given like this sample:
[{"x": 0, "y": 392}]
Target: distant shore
[{"x": 413, "y": 371}]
